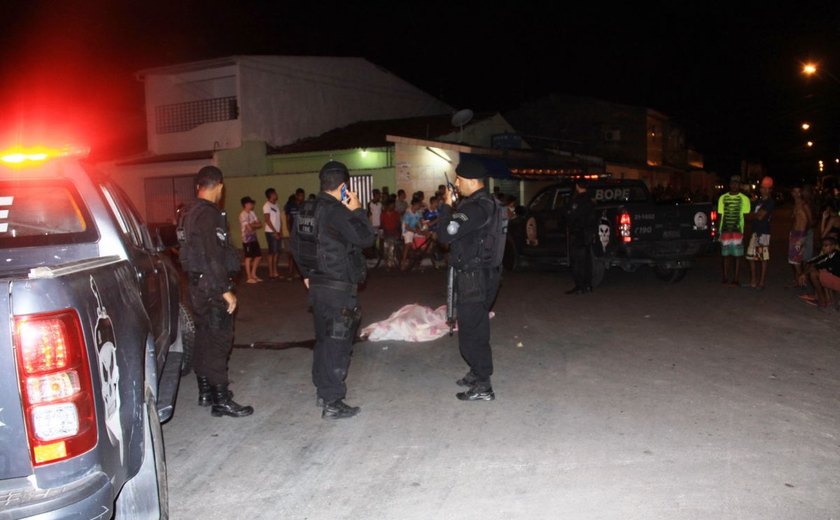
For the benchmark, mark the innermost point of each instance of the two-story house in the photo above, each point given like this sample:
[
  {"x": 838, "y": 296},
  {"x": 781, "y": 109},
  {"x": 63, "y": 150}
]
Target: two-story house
[{"x": 229, "y": 111}]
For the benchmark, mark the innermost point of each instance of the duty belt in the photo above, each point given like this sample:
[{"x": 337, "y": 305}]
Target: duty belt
[{"x": 333, "y": 284}]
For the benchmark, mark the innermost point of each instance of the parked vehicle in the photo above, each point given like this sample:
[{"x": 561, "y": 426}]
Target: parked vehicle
[
  {"x": 90, "y": 356},
  {"x": 629, "y": 229}
]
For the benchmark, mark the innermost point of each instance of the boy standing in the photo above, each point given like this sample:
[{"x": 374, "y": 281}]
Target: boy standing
[{"x": 249, "y": 224}]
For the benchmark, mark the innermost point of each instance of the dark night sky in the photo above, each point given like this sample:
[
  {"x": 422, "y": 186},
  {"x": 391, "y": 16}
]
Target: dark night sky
[{"x": 730, "y": 74}]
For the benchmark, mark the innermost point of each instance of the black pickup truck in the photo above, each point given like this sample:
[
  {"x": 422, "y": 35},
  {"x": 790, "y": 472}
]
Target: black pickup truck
[{"x": 630, "y": 229}]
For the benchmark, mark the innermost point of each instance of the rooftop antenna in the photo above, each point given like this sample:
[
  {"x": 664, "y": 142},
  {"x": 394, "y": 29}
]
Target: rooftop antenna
[{"x": 460, "y": 119}]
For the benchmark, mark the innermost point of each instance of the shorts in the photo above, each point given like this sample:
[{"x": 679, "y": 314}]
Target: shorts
[
  {"x": 732, "y": 243},
  {"x": 408, "y": 237},
  {"x": 829, "y": 281},
  {"x": 273, "y": 243},
  {"x": 759, "y": 248},
  {"x": 252, "y": 249},
  {"x": 796, "y": 247}
]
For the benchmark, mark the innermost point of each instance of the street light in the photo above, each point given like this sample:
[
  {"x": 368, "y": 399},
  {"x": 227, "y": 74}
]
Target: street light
[
  {"x": 806, "y": 126},
  {"x": 813, "y": 69}
]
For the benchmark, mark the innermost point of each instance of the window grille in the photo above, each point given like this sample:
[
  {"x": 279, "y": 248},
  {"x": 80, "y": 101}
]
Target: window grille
[
  {"x": 181, "y": 117},
  {"x": 362, "y": 185}
]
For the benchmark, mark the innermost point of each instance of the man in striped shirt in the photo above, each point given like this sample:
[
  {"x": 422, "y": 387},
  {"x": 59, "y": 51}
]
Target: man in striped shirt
[{"x": 732, "y": 207}]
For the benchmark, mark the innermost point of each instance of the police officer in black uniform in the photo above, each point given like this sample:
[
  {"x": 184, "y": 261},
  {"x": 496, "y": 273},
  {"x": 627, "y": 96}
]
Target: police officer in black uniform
[
  {"x": 327, "y": 241},
  {"x": 210, "y": 262},
  {"x": 582, "y": 231},
  {"x": 475, "y": 232}
]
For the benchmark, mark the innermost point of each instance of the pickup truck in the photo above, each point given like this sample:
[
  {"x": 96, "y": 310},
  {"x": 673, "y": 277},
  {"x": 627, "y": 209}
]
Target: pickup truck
[
  {"x": 91, "y": 348},
  {"x": 629, "y": 229}
]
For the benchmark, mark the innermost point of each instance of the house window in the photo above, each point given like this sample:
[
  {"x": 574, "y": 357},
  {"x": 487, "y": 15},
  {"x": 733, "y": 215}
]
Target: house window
[
  {"x": 180, "y": 117},
  {"x": 164, "y": 195}
]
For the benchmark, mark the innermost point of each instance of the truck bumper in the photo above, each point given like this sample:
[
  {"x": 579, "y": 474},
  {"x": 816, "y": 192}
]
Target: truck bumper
[{"x": 91, "y": 497}]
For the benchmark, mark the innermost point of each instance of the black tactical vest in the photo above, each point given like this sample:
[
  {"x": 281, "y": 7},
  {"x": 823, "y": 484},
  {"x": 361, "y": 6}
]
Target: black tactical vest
[
  {"x": 486, "y": 247},
  {"x": 322, "y": 251}
]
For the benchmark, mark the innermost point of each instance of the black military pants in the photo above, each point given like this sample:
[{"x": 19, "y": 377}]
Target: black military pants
[
  {"x": 213, "y": 335},
  {"x": 476, "y": 294},
  {"x": 582, "y": 265},
  {"x": 335, "y": 313}
]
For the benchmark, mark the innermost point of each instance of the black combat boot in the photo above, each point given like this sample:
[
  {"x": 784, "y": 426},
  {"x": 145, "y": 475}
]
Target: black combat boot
[
  {"x": 468, "y": 380},
  {"x": 338, "y": 409},
  {"x": 223, "y": 404},
  {"x": 481, "y": 391},
  {"x": 204, "y": 397}
]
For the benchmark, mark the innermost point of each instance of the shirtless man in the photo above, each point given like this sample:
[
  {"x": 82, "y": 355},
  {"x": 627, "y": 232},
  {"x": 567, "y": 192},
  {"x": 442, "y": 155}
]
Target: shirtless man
[{"x": 801, "y": 221}]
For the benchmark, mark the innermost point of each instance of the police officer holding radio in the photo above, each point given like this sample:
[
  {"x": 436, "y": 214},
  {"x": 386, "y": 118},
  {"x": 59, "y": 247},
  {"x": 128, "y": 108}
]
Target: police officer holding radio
[
  {"x": 210, "y": 263},
  {"x": 475, "y": 232},
  {"x": 327, "y": 239}
]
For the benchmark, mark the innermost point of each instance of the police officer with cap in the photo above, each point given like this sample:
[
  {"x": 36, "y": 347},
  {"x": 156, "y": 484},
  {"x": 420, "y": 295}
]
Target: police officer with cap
[
  {"x": 210, "y": 263},
  {"x": 475, "y": 232},
  {"x": 327, "y": 239}
]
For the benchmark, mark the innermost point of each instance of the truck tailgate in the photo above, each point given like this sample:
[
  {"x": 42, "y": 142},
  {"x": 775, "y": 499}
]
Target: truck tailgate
[
  {"x": 671, "y": 222},
  {"x": 14, "y": 447}
]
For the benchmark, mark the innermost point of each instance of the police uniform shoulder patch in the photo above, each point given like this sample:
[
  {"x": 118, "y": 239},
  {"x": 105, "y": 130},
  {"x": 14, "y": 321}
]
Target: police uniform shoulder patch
[{"x": 460, "y": 216}]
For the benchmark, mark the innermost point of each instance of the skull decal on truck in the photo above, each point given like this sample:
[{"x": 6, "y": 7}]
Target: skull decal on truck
[{"x": 109, "y": 370}]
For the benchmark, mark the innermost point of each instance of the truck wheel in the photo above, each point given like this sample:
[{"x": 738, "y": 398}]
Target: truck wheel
[
  {"x": 146, "y": 495},
  {"x": 669, "y": 274},
  {"x": 510, "y": 260},
  {"x": 599, "y": 269},
  {"x": 187, "y": 326}
]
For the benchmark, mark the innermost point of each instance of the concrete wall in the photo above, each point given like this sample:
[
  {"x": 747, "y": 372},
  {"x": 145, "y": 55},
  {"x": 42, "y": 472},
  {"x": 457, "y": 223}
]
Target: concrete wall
[
  {"x": 286, "y": 98},
  {"x": 197, "y": 85},
  {"x": 132, "y": 178}
]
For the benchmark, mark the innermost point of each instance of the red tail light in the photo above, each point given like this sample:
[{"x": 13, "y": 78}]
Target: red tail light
[
  {"x": 55, "y": 385},
  {"x": 625, "y": 227},
  {"x": 713, "y": 216}
]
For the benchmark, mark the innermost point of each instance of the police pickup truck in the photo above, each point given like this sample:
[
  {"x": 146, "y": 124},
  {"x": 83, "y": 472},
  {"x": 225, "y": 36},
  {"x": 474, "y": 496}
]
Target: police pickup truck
[
  {"x": 628, "y": 228},
  {"x": 90, "y": 346}
]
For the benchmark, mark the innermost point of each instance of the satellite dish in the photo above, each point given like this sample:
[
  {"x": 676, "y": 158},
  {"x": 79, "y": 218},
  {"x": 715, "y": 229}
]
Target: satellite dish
[{"x": 460, "y": 119}]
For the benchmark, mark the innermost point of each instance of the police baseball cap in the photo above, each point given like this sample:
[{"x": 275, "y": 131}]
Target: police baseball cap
[
  {"x": 470, "y": 168},
  {"x": 246, "y": 199}
]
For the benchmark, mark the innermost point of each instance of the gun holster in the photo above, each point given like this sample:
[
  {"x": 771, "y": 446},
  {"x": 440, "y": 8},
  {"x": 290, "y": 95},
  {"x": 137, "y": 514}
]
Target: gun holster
[
  {"x": 344, "y": 325},
  {"x": 472, "y": 286}
]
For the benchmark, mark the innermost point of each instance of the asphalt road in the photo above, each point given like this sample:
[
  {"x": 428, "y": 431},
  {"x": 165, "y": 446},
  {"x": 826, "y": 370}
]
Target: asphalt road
[{"x": 642, "y": 400}]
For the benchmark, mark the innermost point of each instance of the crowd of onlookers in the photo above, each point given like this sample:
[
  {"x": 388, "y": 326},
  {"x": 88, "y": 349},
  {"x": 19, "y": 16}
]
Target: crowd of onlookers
[
  {"x": 403, "y": 224},
  {"x": 815, "y": 268}
]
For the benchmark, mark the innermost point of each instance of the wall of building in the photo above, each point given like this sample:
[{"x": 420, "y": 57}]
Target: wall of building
[
  {"x": 132, "y": 179},
  {"x": 168, "y": 89},
  {"x": 286, "y": 98},
  {"x": 418, "y": 169}
]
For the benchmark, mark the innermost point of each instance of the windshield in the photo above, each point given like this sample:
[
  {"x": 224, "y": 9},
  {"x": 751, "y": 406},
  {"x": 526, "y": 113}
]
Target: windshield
[{"x": 41, "y": 212}]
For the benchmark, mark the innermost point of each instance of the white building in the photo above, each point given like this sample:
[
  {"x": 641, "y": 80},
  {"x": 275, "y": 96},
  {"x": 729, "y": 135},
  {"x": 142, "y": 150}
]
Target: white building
[{"x": 240, "y": 105}]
